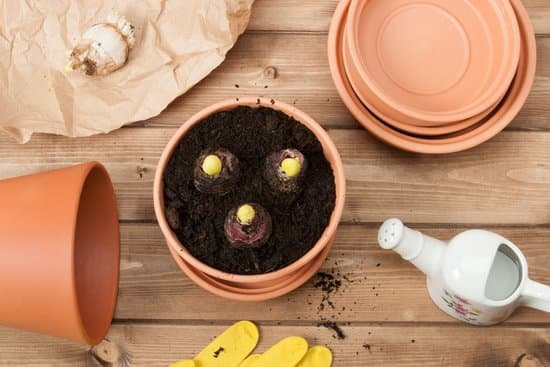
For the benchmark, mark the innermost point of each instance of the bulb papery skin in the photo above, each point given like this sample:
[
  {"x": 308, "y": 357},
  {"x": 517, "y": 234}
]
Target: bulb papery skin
[
  {"x": 103, "y": 48},
  {"x": 248, "y": 236},
  {"x": 275, "y": 175},
  {"x": 222, "y": 183}
]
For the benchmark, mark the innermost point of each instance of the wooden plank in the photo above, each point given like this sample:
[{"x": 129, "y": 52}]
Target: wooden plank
[
  {"x": 539, "y": 11},
  {"x": 294, "y": 68},
  {"x": 504, "y": 181},
  {"x": 314, "y": 15},
  {"x": 133, "y": 345},
  {"x": 380, "y": 286}
]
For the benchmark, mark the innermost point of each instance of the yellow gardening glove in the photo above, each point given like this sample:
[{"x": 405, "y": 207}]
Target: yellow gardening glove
[
  {"x": 227, "y": 350},
  {"x": 249, "y": 362},
  {"x": 317, "y": 357},
  {"x": 286, "y": 353}
]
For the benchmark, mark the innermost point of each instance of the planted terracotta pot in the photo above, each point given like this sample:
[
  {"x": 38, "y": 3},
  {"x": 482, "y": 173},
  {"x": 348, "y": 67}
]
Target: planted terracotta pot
[
  {"x": 60, "y": 253},
  {"x": 266, "y": 281}
]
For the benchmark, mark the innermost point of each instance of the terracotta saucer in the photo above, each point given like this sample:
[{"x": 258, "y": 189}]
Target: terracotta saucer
[
  {"x": 432, "y": 61},
  {"x": 253, "y": 288},
  {"x": 204, "y": 282},
  {"x": 407, "y": 124},
  {"x": 502, "y": 116}
]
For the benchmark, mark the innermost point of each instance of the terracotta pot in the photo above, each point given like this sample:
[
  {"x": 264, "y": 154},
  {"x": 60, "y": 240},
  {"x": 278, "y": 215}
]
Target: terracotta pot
[
  {"x": 498, "y": 120},
  {"x": 60, "y": 253},
  {"x": 263, "y": 280}
]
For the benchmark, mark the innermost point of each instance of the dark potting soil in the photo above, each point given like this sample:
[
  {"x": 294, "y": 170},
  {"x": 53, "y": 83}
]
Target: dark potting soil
[{"x": 251, "y": 134}]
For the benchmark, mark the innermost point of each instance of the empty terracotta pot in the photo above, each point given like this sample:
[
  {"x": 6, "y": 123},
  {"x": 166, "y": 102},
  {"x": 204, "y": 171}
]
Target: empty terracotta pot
[
  {"x": 261, "y": 281},
  {"x": 60, "y": 253}
]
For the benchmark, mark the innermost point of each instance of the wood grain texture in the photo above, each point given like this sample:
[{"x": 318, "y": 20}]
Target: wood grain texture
[
  {"x": 378, "y": 286},
  {"x": 314, "y": 15},
  {"x": 383, "y": 306},
  {"x": 294, "y": 68},
  {"x": 134, "y": 345},
  {"x": 504, "y": 181}
]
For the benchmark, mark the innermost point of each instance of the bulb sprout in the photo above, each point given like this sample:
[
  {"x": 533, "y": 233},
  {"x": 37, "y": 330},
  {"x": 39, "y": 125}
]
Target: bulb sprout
[
  {"x": 212, "y": 165},
  {"x": 246, "y": 214},
  {"x": 291, "y": 167}
]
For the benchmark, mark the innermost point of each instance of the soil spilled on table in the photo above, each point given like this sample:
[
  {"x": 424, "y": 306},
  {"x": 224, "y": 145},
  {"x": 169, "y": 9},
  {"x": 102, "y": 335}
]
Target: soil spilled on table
[{"x": 251, "y": 134}]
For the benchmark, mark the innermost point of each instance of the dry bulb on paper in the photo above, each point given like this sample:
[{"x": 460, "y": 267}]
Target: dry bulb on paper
[{"x": 103, "y": 48}]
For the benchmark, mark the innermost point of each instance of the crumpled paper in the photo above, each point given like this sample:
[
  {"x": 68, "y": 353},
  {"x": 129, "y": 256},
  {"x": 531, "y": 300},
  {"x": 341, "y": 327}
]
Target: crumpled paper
[{"x": 178, "y": 43}]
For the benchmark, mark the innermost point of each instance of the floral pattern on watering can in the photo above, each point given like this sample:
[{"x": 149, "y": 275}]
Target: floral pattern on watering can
[{"x": 463, "y": 309}]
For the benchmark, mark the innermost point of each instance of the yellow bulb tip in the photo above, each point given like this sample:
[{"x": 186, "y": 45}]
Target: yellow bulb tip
[
  {"x": 246, "y": 214},
  {"x": 291, "y": 167},
  {"x": 212, "y": 165}
]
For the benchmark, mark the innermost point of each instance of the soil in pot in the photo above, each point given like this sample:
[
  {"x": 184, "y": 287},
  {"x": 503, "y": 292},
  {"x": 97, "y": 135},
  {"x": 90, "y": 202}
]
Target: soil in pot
[{"x": 251, "y": 134}]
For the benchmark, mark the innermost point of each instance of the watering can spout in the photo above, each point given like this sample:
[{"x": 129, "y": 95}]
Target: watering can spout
[{"x": 423, "y": 251}]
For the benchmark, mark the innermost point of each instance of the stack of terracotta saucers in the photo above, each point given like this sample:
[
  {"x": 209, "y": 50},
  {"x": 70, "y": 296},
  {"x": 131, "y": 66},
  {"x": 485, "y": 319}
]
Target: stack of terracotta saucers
[{"x": 433, "y": 76}]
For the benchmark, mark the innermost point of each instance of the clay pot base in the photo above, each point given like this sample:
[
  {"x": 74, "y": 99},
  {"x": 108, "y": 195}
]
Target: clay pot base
[
  {"x": 501, "y": 117},
  {"x": 404, "y": 77},
  {"x": 246, "y": 295}
]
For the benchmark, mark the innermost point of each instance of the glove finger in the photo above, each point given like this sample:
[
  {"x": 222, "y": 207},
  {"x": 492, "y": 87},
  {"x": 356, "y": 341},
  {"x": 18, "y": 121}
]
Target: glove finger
[
  {"x": 184, "y": 363},
  {"x": 250, "y": 361},
  {"x": 286, "y": 353},
  {"x": 317, "y": 357},
  {"x": 231, "y": 347}
]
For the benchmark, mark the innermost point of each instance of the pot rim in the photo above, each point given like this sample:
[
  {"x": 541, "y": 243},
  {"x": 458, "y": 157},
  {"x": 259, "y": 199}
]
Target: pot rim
[
  {"x": 331, "y": 154},
  {"x": 84, "y": 328}
]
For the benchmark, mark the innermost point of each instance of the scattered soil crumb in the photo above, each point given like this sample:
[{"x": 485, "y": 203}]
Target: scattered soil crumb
[
  {"x": 339, "y": 333},
  {"x": 367, "y": 347},
  {"x": 328, "y": 283}
]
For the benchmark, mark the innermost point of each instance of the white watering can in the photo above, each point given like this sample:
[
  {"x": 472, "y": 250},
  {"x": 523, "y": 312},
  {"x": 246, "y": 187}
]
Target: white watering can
[{"x": 478, "y": 276}]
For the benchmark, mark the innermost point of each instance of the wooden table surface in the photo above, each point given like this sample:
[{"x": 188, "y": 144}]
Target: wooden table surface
[{"x": 384, "y": 310}]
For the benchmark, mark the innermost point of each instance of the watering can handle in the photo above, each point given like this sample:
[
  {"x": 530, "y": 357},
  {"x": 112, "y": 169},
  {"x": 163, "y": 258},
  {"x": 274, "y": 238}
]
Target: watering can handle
[{"x": 536, "y": 295}]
